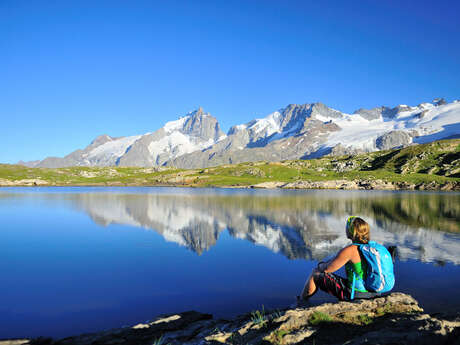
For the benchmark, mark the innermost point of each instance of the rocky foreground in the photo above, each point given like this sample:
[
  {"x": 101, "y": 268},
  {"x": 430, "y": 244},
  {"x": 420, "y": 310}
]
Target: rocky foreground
[{"x": 394, "y": 319}]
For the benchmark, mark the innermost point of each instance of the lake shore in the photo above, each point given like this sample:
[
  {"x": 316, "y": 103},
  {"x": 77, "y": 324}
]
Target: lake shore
[
  {"x": 364, "y": 184},
  {"x": 433, "y": 166},
  {"x": 394, "y": 319}
]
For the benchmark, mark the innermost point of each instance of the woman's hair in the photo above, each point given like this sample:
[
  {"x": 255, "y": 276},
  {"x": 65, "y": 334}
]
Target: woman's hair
[{"x": 358, "y": 230}]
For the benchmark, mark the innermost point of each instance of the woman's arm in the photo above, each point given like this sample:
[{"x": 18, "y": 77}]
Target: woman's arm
[{"x": 341, "y": 259}]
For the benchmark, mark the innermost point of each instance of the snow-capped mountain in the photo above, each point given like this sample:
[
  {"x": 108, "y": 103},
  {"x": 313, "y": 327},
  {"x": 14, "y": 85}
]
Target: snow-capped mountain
[
  {"x": 296, "y": 131},
  {"x": 314, "y": 130},
  {"x": 195, "y": 131}
]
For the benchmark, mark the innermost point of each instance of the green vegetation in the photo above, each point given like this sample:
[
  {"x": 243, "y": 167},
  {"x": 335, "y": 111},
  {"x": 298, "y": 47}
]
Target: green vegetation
[
  {"x": 216, "y": 331},
  {"x": 435, "y": 163},
  {"x": 258, "y": 317},
  {"x": 276, "y": 314},
  {"x": 318, "y": 317},
  {"x": 159, "y": 341},
  {"x": 279, "y": 334},
  {"x": 365, "y": 319}
]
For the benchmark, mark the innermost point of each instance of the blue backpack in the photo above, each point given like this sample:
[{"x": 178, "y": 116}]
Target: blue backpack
[{"x": 380, "y": 276}]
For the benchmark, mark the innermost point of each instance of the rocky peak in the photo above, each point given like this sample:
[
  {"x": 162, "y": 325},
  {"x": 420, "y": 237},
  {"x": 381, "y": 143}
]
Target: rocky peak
[
  {"x": 98, "y": 141},
  {"x": 383, "y": 111},
  {"x": 370, "y": 114},
  {"x": 294, "y": 115},
  {"x": 323, "y": 110},
  {"x": 101, "y": 139},
  {"x": 202, "y": 125},
  {"x": 439, "y": 101},
  {"x": 392, "y": 112}
]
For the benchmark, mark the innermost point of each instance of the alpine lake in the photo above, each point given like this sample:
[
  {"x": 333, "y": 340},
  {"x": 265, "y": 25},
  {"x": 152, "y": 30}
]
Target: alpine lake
[{"x": 77, "y": 260}]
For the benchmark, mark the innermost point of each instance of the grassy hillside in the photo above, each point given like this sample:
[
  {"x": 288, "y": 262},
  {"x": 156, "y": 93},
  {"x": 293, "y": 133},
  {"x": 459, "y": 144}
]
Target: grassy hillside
[{"x": 436, "y": 163}]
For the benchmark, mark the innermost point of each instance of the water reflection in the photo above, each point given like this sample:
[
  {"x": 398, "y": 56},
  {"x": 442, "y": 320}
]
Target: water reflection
[
  {"x": 300, "y": 225},
  {"x": 63, "y": 274}
]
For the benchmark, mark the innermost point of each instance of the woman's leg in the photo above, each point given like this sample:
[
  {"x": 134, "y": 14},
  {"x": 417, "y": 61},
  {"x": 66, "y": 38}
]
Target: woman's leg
[
  {"x": 333, "y": 284},
  {"x": 328, "y": 282},
  {"x": 310, "y": 287}
]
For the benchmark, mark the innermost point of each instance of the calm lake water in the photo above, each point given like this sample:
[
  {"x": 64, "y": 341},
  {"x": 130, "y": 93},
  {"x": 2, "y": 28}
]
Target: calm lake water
[{"x": 79, "y": 260}]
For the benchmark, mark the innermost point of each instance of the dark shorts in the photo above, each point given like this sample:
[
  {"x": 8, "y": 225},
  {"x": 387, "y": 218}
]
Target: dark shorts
[{"x": 333, "y": 284}]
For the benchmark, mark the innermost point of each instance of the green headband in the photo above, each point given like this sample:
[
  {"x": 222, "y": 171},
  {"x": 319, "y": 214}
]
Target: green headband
[{"x": 349, "y": 227}]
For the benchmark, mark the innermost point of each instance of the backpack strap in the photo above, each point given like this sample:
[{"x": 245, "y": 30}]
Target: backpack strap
[{"x": 352, "y": 295}]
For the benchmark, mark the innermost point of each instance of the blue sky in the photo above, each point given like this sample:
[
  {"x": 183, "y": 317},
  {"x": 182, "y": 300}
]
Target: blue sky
[{"x": 72, "y": 70}]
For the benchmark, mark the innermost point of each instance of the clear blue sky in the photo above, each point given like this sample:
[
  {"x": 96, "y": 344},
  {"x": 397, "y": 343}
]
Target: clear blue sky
[{"x": 72, "y": 70}]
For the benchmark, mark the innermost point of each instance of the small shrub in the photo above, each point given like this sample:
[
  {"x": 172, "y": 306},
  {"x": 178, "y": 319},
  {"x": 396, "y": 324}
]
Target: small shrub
[{"x": 258, "y": 317}]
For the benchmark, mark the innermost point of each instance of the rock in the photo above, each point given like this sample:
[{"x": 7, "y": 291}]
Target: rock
[
  {"x": 181, "y": 326},
  {"x": 370, "y": 114},
  {"x": 380, "y": 112},
  {"x": 15, "y": 342},
  {"x": 274, "y": 184},
  {"x": 340, "y": 150},
  {"x": 421, "y": 114},
  {"x": 333, "y": 184},
  {"x": 439, "y": 101},
  {"x": 5, "y": 182},
  {"x": 249, "y": 171},
  {"x": 343, "y": 166},
  {"x": 369, "y": 184},
  {"x": 393, "y": 139},
  {"x": 23, "y": 182},
  {"x": 394, "y": 319}
]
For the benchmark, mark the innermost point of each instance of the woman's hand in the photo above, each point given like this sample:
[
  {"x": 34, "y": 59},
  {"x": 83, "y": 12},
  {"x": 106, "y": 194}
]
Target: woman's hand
[{"x": 322, "y": 266}]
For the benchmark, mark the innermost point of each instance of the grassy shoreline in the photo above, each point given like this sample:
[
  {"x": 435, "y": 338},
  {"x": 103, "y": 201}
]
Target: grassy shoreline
[{"x": 434, "y": 166}]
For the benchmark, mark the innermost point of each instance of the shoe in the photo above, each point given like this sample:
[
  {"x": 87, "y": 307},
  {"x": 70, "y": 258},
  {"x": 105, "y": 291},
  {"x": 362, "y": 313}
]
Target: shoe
[{"x": 301, "y": 303}]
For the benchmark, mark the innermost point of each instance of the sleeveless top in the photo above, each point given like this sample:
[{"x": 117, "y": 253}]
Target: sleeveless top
[{"x": 359, "y": 270}]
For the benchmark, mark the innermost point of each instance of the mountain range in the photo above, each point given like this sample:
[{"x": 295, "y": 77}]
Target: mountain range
[{"x": 297, "y": 131}]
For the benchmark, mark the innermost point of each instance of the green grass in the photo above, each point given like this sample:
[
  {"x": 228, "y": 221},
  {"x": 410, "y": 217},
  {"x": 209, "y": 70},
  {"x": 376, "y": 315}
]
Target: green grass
[
  {"x": 437, "y": 162},
  {"x": 258, "y": 317},
  {"x": 278, "y": 335},
  {"x": 318, "y": 317},
  {"x": 364, "y": 319},
  {"x": 159, "y": 341}
]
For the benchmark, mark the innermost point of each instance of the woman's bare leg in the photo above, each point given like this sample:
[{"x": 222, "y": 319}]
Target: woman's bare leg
[{"x": 310, "y": 287}]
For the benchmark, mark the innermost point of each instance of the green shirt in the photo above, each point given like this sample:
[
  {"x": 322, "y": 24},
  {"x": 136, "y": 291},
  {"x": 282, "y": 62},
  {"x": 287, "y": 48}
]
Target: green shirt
[{"x": 359, "y": 269}]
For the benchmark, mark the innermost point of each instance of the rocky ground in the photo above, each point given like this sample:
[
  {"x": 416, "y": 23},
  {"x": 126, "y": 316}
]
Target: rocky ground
[
  {"x": 394, "y": 319},
  {"x": 361, "y": 184},
  {"x": 181, "y": 181}
]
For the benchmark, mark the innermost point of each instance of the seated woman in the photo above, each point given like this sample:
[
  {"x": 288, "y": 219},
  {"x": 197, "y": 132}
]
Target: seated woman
[{"x": 357, "y": 230}]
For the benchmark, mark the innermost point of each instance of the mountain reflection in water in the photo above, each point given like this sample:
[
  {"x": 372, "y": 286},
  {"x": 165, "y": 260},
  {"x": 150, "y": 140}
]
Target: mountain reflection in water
[{"x": 300, "y": 225}]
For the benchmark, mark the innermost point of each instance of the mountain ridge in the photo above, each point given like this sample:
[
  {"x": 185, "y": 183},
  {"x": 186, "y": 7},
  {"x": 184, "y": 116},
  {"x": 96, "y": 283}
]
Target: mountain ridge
[{"x": 302, "y": 131}]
